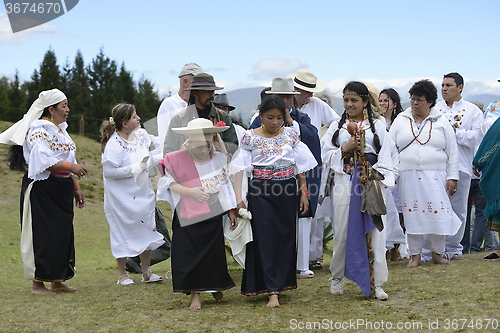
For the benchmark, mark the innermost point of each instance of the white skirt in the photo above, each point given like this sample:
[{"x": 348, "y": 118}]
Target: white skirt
[{"x": 426, "y": 205}]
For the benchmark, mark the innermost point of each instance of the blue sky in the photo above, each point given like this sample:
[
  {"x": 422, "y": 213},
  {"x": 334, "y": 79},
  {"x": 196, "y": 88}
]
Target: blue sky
[{"x": 248, "y": 43}]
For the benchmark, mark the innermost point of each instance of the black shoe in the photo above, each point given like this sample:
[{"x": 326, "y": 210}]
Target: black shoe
[
  {"x": 492, "y": 256},
  {"x": 133, "y": 266},
  {"x": 315, "y": 265}
]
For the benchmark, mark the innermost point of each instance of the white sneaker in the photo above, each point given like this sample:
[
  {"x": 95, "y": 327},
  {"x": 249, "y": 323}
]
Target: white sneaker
[
  {"x": 337, "y": 286},
  {"x": 381, "y": 294},
  {"x": 306, "y": 274}
]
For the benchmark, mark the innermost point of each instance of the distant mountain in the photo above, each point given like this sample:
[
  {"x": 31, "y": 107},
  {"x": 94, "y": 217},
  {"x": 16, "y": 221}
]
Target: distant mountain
[{"x": 486, "y": 99}]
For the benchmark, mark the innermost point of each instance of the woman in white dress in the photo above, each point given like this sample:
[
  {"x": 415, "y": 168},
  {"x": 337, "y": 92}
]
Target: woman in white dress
[
  {"x": 428, "y": 172},
  {"x": 129, "y": 199},
  {"x": 351, "y": 225},
  {"x": 276, "y": 161}
]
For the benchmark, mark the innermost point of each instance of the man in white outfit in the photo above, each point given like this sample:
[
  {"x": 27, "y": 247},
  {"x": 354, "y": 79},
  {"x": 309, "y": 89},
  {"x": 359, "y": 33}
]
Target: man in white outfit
[
  {"x": 178, "y": 102},
  {"x": 466, "y": 119},
  {"x": 306, "y": 84}
]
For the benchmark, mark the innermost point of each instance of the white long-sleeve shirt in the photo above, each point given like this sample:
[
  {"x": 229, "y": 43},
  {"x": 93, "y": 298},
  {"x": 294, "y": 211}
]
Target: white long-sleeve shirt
[
  {"x": 467, "y": 119},
  {"x": 168, "y": 108},
  {"x": 439, "y": 149}
]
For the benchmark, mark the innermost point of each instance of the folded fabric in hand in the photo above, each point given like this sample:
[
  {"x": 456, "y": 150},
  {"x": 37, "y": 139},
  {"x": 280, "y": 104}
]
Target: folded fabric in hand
[{"x": 240, "y": 236}]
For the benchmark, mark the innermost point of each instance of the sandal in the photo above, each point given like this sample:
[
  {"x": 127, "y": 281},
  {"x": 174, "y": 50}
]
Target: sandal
[
  {"x": 127, "y": 282},
  {"x": 313, "y": 265},
  {"x": 152, "y": 277},
  {"x": 493, "y": 256}
]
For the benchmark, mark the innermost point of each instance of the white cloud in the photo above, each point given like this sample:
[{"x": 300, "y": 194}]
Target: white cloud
[
  {"x": 269, "y": 68},
  {"x": 8, "y": 37}
]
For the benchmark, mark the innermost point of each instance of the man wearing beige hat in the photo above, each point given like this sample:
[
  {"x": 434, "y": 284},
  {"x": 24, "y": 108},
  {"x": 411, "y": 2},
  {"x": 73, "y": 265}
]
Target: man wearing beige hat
[
  {"x": 200, "y": 105},
  {"x": 176, "y": 103},
  {"x": 306, "y": 83}
]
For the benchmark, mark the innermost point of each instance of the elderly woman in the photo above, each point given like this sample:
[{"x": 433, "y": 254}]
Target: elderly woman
[
  {"x": 197, "y": 184},
  {"x": 49, "y": 189},
  {"x": 428, "y": 172}
]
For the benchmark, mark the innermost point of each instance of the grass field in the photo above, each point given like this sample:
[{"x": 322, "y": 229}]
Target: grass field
[{"x": 460, "y": 297}]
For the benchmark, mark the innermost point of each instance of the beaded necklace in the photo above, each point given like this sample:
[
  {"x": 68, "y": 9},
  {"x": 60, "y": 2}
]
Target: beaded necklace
[
  {"x": 269, "y": 134},
  {"x": 49, "y": 119},
  {"x": 421, "y": 128}
]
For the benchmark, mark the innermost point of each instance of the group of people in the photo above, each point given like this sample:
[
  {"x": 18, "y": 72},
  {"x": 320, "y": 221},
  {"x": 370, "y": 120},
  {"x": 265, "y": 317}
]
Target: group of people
[{"x": 382, "y": 175}]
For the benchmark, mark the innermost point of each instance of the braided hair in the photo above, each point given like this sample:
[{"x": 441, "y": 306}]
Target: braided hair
[{"x": 361, "y": 89}]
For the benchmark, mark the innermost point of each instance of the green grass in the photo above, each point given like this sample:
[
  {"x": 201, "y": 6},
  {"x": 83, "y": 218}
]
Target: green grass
[{"x": 466, "y": 290}]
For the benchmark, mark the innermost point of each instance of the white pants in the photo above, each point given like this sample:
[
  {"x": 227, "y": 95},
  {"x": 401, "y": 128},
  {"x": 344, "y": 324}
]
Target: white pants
[
  {"x": 416, "y": 242},
  {"x": 303, "y": 241},
  {"x": 316, "y": 241},
  {"x": 340, "y": 218},
  {"x": 459, "y": 205}
]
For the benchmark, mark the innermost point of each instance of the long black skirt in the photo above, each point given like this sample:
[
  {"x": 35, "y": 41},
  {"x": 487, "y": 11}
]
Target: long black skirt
[
  {"x": 271, "y": 258},
  {"x": 198, "y": 256},
  {"x": 48, "y": 237}
]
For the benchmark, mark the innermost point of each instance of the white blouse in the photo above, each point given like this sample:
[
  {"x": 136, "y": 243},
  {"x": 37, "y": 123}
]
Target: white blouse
[
  {"x": 45, "y": 145},
  {"x": 284, "y": 149}
]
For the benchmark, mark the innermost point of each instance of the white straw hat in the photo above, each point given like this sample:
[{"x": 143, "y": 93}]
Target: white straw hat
[
  {"x": 306, "y": 80},
  {"x": 200, "y": 129},
  {"x": 282, "y": 86}
]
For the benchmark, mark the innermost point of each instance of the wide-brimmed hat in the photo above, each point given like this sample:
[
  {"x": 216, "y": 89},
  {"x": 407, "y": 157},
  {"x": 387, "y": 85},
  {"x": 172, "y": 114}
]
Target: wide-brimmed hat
[
  {"x": 191, "y": 68},
  {"x": 221, "y": 99},
  {"x": 201, "y": 129},
  {"x": 282, "y": 86},
  {"x": 306, "y": 80},
  {"x": 203, "y": 81}
]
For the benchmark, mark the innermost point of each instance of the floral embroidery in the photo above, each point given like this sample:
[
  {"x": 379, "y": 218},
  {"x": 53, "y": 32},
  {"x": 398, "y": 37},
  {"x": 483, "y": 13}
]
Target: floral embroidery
[
  {"x": 213, "y": 184},
  {"x": 52, "y": 140},
  {"x": 141, "y": 142}
]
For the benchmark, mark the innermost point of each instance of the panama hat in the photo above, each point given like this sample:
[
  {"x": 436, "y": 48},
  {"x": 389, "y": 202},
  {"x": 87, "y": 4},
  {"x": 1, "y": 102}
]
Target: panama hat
[
  {"x": 221, "y": 99},
  {"x": 306, "y": 80},
  {"x": 282, "y": 86},
  {"x": 203, "y": 81},
  {"x": 201, "y": 129}
]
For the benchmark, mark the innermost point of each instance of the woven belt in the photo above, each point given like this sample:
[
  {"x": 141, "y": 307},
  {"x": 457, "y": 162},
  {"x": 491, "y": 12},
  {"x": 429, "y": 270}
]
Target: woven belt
[{"x": 273, "y": 172}]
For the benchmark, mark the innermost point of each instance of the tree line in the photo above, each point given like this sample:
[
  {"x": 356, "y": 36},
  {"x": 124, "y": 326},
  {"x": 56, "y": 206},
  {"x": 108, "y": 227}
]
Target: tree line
[{"x": 92, "y": 91}]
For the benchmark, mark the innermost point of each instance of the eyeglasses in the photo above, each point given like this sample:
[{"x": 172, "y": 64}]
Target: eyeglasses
[{"x": 417, "y": 101}]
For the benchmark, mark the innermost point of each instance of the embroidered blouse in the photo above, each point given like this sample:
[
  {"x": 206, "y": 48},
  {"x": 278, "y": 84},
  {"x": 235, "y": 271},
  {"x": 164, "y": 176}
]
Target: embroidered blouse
[{"x": 45, "y": 145}]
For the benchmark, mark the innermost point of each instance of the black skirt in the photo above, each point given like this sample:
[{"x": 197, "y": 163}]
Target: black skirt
[
  {"x": 271, "y": 258},
  {"x": 51, "y": 245},
  {"x": 198, "y": 256}
]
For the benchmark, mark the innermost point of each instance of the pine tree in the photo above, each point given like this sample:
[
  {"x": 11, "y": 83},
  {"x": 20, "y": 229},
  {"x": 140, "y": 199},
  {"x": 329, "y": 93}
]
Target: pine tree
[
  {"x": 147, "y": 101},
  {"x": 79, "y": 95},
  {"x": 4, "y": 99},
  {"x": 17, "y": 99},
  {"x": 50, "y": 76},
  {"x": 125, "y": 90}
]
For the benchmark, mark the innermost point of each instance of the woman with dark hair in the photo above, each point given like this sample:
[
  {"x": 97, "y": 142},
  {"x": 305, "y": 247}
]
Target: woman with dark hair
[
  {"x": 428, "y": 172},
  {"x": 49, "y": 188},
  {"x": 356, "y": 132},
  {"x": 275, "y": 159},
  {"x": 129, "y": 199},
  {"x": 390, "y": 105}
]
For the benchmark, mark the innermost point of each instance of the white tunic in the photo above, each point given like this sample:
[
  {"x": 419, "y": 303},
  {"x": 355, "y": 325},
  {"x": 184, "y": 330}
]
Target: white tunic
[
  {"x": 467, "y": 119},
  {"x": 45, "y": 145},
  {"x": 129, "y": 199},
  {"x": 321, "y": 114},
  {"x": 168, "y": 108}
]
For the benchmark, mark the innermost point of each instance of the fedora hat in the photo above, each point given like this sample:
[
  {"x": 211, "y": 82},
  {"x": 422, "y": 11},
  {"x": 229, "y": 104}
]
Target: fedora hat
[
  {"x": 282, "y": 86},
  {"x": 306, "y": 80},
  {"x": 203, "y": 81},
  {"x": 221, "y": 99},
  {"x": 200, "y": 129}
]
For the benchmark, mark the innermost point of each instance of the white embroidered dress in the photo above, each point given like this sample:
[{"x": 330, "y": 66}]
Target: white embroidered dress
[{"x": 129, "y": 199}]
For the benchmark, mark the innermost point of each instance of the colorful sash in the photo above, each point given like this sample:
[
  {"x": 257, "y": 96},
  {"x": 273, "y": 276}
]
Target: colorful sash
[{"x": 181, "y": 166}]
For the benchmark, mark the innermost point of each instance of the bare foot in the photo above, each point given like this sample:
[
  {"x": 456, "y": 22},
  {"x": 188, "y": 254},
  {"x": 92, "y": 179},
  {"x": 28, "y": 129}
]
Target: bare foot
[
  {"x": 39, "y": 288},
  {"x": 438, "y": 259},
  {"x": 195, "y": 302},
  {"x": 273, "y": 301},
  {"x": 415, "y": 261},
  {"x": 457, "y": 257},
  {"x": 218, "y": 296},
  {"x": 59, "y": 286}
]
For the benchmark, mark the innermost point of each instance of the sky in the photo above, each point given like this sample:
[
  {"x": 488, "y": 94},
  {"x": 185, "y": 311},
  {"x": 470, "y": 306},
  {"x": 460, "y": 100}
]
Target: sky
[{"x": 248, "y": 43}]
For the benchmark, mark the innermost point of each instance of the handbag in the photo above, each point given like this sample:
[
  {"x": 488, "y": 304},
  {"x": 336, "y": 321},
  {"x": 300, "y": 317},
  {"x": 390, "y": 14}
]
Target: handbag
[{"x": 372, "y": 199}]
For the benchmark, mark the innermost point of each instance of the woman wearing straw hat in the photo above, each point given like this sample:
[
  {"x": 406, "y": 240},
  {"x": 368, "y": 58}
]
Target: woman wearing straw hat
[
  {"x": 195, "y": 181},
  {"x": 40, "y": 142},
  {"x": 129, "y": 199},
  {"x": 273, "y": 156}
]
